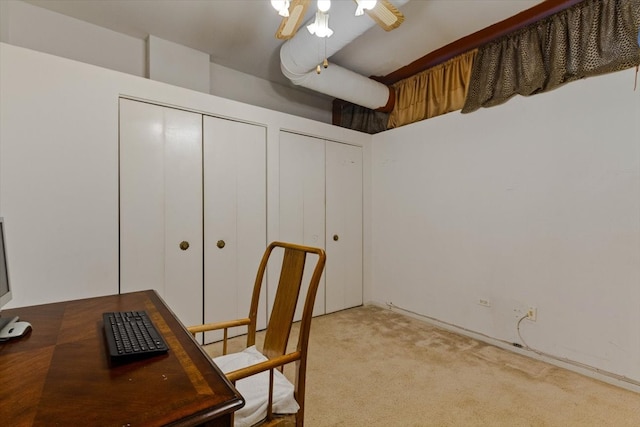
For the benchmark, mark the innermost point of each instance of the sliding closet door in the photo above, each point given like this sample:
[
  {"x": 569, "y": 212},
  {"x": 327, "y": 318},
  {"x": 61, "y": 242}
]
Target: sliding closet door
[
  {"x": 234, "y": 218},
  {"x": 344, "y": 226},
  {"x": 302, "y": 210},
  {"x": 321, "y": 205},
  {"x": 161, "y": 205}
]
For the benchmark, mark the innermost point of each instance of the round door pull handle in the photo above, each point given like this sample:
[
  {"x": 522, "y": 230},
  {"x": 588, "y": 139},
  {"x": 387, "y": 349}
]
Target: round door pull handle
[
  {"x": 335, "y": 238},
  {"x": 220, "y": 244},
  {"x": 184, "y": 245}
]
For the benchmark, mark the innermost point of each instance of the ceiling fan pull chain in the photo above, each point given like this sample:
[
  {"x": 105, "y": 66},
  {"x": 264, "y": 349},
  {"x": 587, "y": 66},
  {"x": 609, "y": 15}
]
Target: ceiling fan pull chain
[{"x": 325, "y": 63}]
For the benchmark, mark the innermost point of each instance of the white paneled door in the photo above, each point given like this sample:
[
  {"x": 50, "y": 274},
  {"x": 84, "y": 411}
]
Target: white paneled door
[
  {"x": 343, "y": 287},
  {"x": 161, "y": 245},
  {"x": 321, "y": 205},
  {"x": 302, "y": 212},
  {"x": 235, "y": 218},
  {"x": 192, "y": 210}
]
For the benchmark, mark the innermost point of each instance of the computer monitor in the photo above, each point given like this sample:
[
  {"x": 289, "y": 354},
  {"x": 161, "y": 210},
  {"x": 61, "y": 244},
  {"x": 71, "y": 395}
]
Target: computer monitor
[
  {"x": 9, "y": 326},
  {"x": 5, "y": 289}
]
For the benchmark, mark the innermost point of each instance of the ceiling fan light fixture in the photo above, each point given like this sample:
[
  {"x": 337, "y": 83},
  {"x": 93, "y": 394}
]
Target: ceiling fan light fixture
[
  {"x": 282, "y": 6},
  {"x": 320, "y": 27},
  {"x": 289, "y": 25},
  {"x": 364, "y": 5},
  {"x": 324, "y": 5},
  {"x": 386, "y": 15}
]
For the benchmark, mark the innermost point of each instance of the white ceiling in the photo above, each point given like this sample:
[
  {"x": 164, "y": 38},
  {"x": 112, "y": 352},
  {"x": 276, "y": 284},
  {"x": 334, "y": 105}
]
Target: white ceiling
[{"x": 239, "y": 34}]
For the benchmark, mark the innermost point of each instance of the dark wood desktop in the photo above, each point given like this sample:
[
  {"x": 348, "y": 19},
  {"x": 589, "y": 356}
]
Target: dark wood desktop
[{"x": 60, "y": 374}]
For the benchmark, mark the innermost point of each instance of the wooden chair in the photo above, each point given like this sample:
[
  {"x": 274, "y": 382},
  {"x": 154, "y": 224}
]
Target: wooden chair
[{"x": 278, "y": 327}]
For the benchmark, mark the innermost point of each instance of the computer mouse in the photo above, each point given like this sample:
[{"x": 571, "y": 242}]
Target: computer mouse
[{"x": 19, "y": 329}]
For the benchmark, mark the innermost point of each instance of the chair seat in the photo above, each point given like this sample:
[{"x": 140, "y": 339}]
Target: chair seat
[{"x": 255, "y": 389}]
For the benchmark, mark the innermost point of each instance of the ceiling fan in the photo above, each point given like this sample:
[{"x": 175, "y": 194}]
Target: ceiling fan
[{"x": 385, "y": 14}]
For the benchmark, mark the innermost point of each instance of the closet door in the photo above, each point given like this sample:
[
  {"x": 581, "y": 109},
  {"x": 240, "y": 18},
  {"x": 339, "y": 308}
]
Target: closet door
[
  {"x": 302, "y": 201},
  {"x": 234, "y": 218},
  {"x": 161, "y": 205},
  {"x": 344, "y": 226}
]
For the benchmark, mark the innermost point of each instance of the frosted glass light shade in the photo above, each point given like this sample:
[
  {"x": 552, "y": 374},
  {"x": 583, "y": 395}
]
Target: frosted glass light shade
[
  {"x": 324, "y": 5},
  {"x": 365, "y": 5},
  {"x": 282, "y": 6},
  {"x": 320, "y": 26}
]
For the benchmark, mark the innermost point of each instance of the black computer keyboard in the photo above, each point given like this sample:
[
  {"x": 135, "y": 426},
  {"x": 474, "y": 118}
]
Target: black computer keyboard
[{"x": 131, "y": 335}]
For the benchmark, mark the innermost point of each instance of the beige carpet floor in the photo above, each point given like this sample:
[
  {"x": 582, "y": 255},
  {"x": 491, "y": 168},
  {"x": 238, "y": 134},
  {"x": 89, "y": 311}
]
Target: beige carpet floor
[{"x": 369, "y": 366}]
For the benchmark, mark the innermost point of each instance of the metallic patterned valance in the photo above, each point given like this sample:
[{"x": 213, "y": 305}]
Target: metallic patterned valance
[{"x": 591, "y": 38}]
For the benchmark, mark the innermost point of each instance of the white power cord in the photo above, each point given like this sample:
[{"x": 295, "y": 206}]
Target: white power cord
[{"x": 573, "y": 362}]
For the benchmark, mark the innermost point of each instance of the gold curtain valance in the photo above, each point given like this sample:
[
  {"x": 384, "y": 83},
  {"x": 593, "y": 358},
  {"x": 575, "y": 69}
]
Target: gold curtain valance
[{"x": 438, "y": 90}]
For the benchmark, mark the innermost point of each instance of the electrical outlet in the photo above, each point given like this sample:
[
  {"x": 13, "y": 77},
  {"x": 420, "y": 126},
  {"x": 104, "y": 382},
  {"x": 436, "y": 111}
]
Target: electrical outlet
[
  {"x": 532, "y": 314},
  {"x": 484, "y": 302}
]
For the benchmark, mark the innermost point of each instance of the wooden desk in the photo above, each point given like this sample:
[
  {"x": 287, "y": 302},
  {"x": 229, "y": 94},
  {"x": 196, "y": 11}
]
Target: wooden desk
[{"x": 59, "y": 374}]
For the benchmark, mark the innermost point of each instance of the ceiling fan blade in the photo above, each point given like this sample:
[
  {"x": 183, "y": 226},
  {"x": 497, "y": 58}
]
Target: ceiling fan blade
[
  {"x": 289, "y": 26},
  {"x": 386, "y": 15}
]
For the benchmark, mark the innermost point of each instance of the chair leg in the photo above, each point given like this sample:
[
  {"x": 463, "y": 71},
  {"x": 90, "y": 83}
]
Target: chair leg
[{"x": 270, "y": 402}]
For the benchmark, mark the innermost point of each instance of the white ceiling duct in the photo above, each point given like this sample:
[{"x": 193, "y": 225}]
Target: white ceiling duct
[{"x": 300, "y": 56}]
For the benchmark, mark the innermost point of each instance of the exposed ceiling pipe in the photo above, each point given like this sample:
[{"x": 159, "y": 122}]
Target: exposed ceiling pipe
[{"x": 300, "y": 55}]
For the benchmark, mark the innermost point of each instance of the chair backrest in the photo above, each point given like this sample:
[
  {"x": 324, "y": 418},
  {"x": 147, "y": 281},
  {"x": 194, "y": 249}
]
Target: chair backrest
[
  {"x": 284, "y": 307},
  {"x": 286, "y": 299}
]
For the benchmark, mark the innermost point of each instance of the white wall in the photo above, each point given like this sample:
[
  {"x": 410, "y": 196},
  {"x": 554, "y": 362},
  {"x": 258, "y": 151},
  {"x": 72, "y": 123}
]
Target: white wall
[
  {"x": 231, "y": 84},
  {"x": 59, "y": 167},
  {"x": 25, "y": 25},
  {"x": 32, "y": 27},
  {"x": 535, "y": 202},
  {"x": 177, "y": 65}
]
